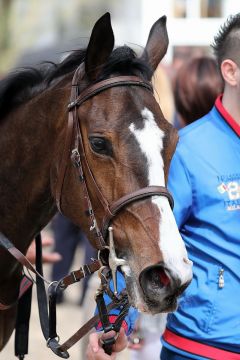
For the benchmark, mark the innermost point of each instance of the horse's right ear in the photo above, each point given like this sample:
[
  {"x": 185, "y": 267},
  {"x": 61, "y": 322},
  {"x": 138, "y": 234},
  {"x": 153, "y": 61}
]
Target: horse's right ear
[
  {"x": 100, "y": 46},
  {"x": 157, "y": 43}
]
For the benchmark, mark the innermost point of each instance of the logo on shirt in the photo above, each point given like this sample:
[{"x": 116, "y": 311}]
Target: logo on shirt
[{"x": 230, "y": 187}]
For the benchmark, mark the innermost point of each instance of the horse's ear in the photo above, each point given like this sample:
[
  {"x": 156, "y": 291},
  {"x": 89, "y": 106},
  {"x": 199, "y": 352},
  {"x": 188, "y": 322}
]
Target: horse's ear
[
  {"x": 157, "y": 43},
  {"x": 100, "y": 46}
]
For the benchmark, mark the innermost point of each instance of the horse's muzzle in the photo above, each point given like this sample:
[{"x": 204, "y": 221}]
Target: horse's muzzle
[{"x": 161, "y": 288}]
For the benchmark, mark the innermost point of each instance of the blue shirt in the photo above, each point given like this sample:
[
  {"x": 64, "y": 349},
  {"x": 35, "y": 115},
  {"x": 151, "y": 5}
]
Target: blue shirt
[{"x": 205, "y": 182}]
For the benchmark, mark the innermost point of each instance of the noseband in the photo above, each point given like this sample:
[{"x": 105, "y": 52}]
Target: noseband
[{"x": 74, "y": 148}]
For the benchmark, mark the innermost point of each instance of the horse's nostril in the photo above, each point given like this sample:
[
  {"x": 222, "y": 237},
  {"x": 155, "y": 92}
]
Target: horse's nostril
[
  {"x": 158, "y": 277},
  {"x": 154, "y": 277}
]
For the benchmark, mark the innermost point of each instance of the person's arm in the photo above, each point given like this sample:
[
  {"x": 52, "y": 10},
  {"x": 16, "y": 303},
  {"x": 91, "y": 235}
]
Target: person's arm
[
  {"x": 179, "y": 185},
  {"x": 47, "y": 257}
]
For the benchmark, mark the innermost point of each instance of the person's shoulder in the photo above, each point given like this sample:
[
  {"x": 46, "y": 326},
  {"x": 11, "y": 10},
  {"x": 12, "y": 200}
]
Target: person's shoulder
[
  {"x": 195, "y": 127},
  {"x": 195, "y": 137}
]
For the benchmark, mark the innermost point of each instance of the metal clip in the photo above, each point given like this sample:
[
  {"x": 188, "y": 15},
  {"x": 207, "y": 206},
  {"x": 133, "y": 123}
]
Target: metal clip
[
  {"x": 113, "y": 260},
  {"x": 57, "y": 338},
  {"x": 221, "y": 278},
  {"x": 71, "y": 105},
  {"x": 75, "y": 157},
  {"x": 93, "y": 226},
  {"x": 53, "y": 283}
]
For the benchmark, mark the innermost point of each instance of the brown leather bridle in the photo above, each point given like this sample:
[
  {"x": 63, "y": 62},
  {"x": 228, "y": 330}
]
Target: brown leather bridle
[{"x": 74, "y": 149}]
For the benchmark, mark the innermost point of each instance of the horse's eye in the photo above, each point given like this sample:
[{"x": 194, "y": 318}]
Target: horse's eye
[{"x": 100, "y": 145}]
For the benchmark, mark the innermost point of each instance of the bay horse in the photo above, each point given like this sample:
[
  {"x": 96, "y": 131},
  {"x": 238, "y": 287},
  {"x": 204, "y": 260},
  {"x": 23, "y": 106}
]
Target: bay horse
[{"x": 126, "y": 148}]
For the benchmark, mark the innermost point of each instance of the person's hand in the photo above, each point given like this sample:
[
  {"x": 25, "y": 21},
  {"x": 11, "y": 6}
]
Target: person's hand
[
  {"x": 47, "y": 257},
  {"x": 95, "y": 350}
]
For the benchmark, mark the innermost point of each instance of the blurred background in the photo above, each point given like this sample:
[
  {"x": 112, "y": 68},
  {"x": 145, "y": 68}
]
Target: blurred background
[{"x": 32, "y": 31}]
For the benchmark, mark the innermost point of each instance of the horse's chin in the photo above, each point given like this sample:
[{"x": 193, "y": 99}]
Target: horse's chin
[
  {"x": 168, "y": 305},
  {"x": 153, "y": 308},
  {"x": 157, "y": 308}
]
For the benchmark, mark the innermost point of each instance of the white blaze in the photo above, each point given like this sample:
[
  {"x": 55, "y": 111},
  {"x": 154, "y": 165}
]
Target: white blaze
[{"x": 150, "y": 139}]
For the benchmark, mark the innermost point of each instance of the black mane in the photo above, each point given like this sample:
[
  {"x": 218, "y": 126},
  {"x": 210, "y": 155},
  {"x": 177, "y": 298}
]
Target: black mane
[{"x": 23, "y": 84}]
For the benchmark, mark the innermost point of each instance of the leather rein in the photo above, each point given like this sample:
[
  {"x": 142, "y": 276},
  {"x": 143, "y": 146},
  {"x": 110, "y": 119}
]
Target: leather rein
[{"x": 74, "y": 149}]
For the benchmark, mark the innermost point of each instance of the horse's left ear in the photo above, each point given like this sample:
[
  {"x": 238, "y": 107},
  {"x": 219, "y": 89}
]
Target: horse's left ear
[
  {"x": 100, "y": 46},
  {"x": 157, "y": 43}
]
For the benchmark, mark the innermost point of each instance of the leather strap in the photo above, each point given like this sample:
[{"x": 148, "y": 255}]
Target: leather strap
[
  {"x": 141, "y": 194},
  {"x": 135, "y": 196},
  {"x": 78, "y": 335},
  {"x": 22, "y": 324},
  {"x": 69, "y": 136},
  {"x": 17, "y": 254},
  {"x": 106, "y": 84},
  {"x": 77, "y": 275},
  {"x": 25, "y": 284}
]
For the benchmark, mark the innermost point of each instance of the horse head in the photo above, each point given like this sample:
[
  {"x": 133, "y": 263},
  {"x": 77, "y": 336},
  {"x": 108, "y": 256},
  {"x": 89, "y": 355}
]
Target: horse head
[{"x": 124, "y": 145}]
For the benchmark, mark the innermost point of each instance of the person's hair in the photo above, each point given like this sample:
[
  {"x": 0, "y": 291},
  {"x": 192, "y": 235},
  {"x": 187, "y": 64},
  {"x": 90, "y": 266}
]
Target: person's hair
[
  {"x": 197, "y": 85},
  {"x": 226, "y": 43}
]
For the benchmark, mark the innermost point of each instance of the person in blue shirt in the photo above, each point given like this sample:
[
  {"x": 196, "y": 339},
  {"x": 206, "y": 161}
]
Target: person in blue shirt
[{"x": 205, "y": 182}]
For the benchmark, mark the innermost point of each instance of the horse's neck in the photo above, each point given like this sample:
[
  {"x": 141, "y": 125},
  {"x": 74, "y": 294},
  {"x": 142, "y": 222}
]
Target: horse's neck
[{"x": 27, "y": 148}]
